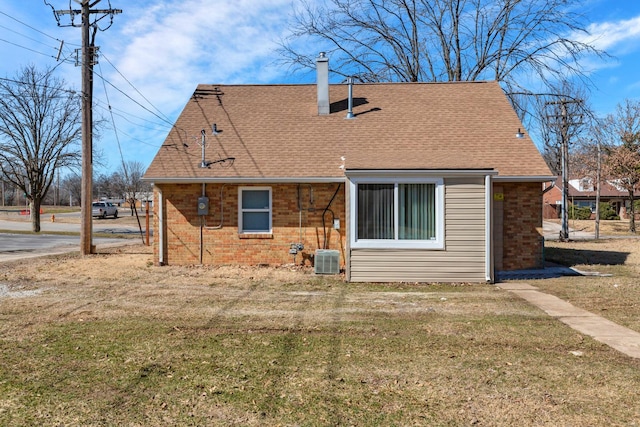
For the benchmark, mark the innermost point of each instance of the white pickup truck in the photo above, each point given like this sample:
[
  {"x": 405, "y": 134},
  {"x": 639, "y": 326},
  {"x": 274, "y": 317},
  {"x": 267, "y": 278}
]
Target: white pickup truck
[{"x": 104, "y": 209}]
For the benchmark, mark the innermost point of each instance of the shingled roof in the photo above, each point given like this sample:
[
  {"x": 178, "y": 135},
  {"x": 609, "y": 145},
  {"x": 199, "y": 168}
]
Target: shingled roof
[{"x": 274, "y": 132}]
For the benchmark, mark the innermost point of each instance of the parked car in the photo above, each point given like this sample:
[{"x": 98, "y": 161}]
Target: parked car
[{"x": 104, "y": 209}]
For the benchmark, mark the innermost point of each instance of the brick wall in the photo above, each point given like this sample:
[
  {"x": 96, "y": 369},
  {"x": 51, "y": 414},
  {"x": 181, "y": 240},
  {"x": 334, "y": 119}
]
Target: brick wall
[
  {"x": 223, "y": 245},
  {"x": 522, "y": 225},
  {"x": 551, "y": 209}
]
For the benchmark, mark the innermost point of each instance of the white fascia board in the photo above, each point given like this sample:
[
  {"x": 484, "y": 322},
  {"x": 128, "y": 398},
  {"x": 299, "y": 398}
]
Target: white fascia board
[
  {"x": 404, "y": 173},
  {"x": 274, "y": 180},
  {"x": 540, "y": 178}
]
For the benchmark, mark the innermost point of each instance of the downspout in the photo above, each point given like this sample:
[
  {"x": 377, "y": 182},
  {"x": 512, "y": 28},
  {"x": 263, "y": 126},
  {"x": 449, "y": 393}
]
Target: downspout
[
  {"x": 299, "y": 216},
  {"x": 488, "y": 209},
  {"x": 204, "y": 193},
  {"x": 160, "y": 228}
]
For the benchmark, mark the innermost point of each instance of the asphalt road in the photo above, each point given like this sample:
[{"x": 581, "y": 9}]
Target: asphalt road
[{"x": 17, "y": 246}]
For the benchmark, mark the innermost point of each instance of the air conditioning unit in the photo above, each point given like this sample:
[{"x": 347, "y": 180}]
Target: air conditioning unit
[{"x": 327, "y": 262}]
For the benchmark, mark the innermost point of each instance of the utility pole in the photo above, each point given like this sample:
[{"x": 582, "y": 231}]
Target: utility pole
[
  {"x": 89, "y": 56},
  {"x": 564, "y": 124},
  {"x": 598, "y": 178}
]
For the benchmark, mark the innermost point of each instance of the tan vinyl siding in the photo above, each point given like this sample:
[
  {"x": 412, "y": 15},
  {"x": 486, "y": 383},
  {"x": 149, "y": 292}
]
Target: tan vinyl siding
[{"x": 463, "y": 258}]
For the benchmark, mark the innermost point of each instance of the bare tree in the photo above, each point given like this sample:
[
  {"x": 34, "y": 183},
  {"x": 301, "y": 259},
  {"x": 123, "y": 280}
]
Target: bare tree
[
  {"x": 511, "y": 41},
  {"x": 72, "y": 183},
  {"x": 39, "y": 130},
  {"x": 562, "y": 115},
  {"x": 622, "y": 162},
  {"x": 130, "y": 176}
]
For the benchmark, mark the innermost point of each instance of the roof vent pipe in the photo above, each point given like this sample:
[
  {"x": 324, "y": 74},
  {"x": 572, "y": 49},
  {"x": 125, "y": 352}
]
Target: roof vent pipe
[
  {"x": 322, "y": 70},
  {"x": 204, "y": 143},
  {"x": 350, "y": 114}
]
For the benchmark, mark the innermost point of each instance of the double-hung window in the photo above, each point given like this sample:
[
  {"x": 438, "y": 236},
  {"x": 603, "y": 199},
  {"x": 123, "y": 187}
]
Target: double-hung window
[
  {"x": 254, "y": 210},
  {"x": 397, "y": 214}
]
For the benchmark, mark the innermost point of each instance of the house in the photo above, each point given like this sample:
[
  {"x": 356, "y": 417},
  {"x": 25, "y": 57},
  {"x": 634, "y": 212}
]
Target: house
[
  {"x": 417, "y": 182},
  {"x": 582, "y": 193}
]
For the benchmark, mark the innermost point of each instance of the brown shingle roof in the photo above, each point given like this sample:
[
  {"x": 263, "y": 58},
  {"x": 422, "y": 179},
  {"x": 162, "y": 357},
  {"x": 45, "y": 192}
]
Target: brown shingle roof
[
  {"x": 606, "y": 190},
  {"x": 274, "y": 131}
]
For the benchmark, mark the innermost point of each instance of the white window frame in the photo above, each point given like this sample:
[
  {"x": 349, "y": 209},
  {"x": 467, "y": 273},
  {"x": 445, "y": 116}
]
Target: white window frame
[
  {"x": 437, "y": 243},
  {"x": 241, "y": 210}
]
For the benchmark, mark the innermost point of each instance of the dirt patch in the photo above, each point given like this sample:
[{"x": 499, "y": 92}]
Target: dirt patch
[{"x": 7, "y": 292}]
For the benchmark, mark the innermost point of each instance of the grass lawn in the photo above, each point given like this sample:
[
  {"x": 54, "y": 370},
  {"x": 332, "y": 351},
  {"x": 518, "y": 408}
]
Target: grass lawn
[
  {"x": 110, "y": 339},
  {"x": 616, "y": 297}
]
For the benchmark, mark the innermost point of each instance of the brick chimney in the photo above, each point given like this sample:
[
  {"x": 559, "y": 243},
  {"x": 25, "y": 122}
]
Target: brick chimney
[{"x": 322, "y": 71}]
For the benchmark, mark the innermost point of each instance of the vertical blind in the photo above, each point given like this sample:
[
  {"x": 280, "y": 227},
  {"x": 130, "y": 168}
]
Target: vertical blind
[
  {"x": 416, "y": 209},
  {"x": 416, "y": 212},
  {"x": 375, "y": 211}
]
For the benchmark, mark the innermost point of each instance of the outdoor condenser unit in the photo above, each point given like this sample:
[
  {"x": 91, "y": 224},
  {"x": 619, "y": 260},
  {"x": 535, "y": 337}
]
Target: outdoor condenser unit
[{"x": 327, "y": 262}]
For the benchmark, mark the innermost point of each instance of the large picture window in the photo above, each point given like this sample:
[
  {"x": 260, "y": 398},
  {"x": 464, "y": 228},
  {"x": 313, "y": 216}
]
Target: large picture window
[
  {"x": 398, "y": 214},
  {"x": 254, "y": 208}
]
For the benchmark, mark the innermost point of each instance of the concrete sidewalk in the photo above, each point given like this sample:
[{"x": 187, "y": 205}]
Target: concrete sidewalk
[{"x": 618, "y": 337}]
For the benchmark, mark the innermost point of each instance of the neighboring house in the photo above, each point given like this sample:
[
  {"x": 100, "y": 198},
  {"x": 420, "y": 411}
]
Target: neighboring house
[
  {"x": 141, "y": 198},
  {"x": 582, "y": 193},
  {"x": 552, "y": 199},
  {"x": 418, "y": 182}
]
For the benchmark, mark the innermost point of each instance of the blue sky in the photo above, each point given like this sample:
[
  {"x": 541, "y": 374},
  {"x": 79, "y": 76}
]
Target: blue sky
[{"x": 157, "y": 51}]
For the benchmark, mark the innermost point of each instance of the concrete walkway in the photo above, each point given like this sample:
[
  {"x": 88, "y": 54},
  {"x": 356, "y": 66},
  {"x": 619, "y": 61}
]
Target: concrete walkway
[{"x": 618, "y": 337}]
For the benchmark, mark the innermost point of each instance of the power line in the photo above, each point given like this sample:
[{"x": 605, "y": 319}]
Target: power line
[
  {"x": 33, "y": 28},
  {"x": 70, "y": 91},
  {"x": 88, "y": 50},
  {"x": 130, "y": 98},
  {"x": 135, "y": 88},
  {"x": 138, "y": 139},
  {"x": 126, "y": 116},
  {"x": 27, "y": 48},
  {"x": 115, "y": 129},
  {"x": 27, "y": 37}
]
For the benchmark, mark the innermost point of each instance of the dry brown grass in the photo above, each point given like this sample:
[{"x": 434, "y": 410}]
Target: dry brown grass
[
  {"x": 607, "y": 228},
  {"x": 617, "y": 296},
  {"x": 113, "y": 340}
]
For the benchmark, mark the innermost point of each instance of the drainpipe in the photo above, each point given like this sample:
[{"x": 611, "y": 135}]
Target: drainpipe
[
  {"x": 488, "y": 218},
  {"x": 202, "y": 216},
  {"x": 160, "y": 228}
]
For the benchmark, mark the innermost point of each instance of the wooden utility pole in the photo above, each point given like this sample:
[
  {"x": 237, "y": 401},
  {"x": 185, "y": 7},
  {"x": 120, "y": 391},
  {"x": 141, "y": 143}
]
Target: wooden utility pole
[
  {"x": 564, "y": 233},
  {"x": 598, "y": 178},
  {"x": 88, "y": 60},
  {"x": 564, "y": 124}
]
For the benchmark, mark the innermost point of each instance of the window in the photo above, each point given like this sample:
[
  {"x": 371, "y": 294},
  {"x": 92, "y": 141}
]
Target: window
[
  {"x": 586, "y": 204},
  {"x": 254, "y": 208},
  {"x": 398, "y": 214}
]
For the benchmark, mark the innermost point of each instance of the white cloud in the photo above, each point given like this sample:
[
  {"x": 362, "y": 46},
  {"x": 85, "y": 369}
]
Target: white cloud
[
  {"x": 614, "y": 36},
  {"x": 179, "y": 44},
  {"x": 165, "y": 48}
]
